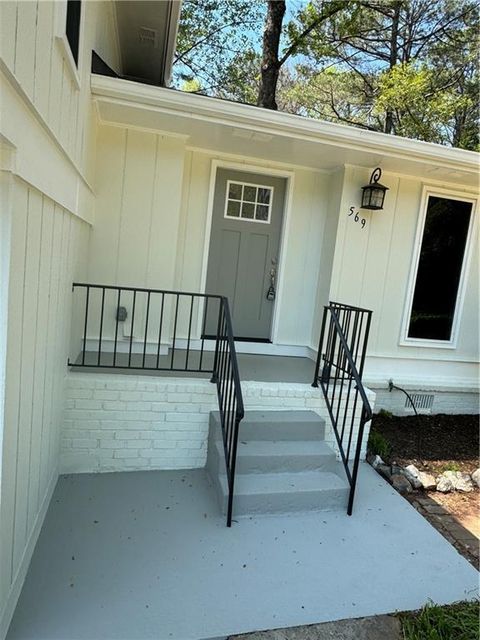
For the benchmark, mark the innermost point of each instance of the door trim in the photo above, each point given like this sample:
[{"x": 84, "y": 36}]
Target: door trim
[{"x": 284, "y": 233}]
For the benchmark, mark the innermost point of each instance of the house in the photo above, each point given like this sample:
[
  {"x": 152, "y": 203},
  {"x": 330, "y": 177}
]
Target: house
[{"x": 110, "y": 178}]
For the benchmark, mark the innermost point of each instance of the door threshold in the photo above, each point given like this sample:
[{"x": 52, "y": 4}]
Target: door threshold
[
  {"x": 270, "y": 349},
  {"x": 237, "y": 339}
]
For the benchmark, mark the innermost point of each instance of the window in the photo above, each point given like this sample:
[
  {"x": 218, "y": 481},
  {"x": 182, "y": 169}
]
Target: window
[
  {"x": 439, "y": 270},
  {"x": 248, "y": 201},
  {"x": 73, "y": 26}
]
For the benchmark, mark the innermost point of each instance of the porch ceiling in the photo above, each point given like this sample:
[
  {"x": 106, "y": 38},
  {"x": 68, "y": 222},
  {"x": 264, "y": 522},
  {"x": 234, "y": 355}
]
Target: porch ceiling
[{"x": 243, "y": 130}]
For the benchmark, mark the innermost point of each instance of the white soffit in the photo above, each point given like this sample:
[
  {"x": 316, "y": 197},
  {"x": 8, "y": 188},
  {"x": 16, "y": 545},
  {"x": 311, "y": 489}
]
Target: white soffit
[
  {"x": 147, "y": 31},
  {"x": 228, "y": 127}
]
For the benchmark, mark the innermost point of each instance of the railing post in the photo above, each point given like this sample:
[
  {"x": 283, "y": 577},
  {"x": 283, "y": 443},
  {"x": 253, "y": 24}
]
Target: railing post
[
  {"x": 320, "y": 346},
  {"x": 356, "y": 462},
  {"x": 214, "y": 377},
  {"x": 232, "y": 472},
  {"x": 365, "y": 342}
]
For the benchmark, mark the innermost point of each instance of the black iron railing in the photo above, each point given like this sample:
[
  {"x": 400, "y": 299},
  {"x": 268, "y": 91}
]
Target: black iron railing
[
  {"x": 229, "y": 391},
  {"x": 145, "y": 329},
  {"x": 339, "y": 369},
  {"x": 158, "y": 330}
]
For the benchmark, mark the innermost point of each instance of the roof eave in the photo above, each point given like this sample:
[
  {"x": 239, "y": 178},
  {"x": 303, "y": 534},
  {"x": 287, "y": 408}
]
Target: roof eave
[{"x": 284, "y": 124}]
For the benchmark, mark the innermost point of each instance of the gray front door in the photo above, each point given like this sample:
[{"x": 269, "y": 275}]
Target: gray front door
[{"x": 244, "y": 248}]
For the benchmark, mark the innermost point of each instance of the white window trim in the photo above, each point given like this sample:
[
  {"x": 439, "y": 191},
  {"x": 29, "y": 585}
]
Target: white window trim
[
  {"x": 248, "y": 184},
  {"x": 459, "y": 302},
  {"x": 64, "y": 45}
]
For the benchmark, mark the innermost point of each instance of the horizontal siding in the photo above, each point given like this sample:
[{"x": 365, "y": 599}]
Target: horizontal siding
[{"x": 47, "y": 249}]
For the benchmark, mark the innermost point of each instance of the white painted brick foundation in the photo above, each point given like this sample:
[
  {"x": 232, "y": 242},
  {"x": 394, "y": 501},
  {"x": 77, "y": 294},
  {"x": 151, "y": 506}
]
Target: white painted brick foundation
[
  {"x": 117, "y": 422},
  {"x": 445, "y": 401}
]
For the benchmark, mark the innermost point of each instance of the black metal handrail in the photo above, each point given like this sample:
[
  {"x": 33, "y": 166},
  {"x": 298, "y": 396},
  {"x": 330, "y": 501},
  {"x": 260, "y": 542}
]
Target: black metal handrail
[
  {"x": 339, "y": 369},
  {"x": 229, "y": 392},
  {"x": 162, "y": 330},
  {"x": 144, "y": 329}
]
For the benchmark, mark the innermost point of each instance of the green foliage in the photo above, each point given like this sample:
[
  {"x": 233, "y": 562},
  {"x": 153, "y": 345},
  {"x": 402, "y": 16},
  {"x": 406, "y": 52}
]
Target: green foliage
[
  {"x": 192, "y": 86},
  {"x": 379, "y": 445},
  {"x": 453, "y": 622},
  {"x": 211, "y": 33},
  {"x": 451, "y": 466},
  {"x": 241, "y": 78},
  {"x": 385, "y": 414},
  {"x": 408, "y": 67},
  {"x": 427, "y": 112}
]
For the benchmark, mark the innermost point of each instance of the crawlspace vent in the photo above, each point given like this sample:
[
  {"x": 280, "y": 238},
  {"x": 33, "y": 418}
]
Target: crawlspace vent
[{"x": 423, "y": 401}]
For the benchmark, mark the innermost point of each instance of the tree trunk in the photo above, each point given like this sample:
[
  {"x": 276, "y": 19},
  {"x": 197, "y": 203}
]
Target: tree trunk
[
  {"x": 270, "y": 62},
  {"x": 389, "y": 116}
]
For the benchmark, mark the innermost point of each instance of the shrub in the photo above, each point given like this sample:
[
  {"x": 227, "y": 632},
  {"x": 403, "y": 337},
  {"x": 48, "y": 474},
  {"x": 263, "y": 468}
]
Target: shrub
[
  {"x": 379, "y": 445},
  {"x": 383, "y": 413}
]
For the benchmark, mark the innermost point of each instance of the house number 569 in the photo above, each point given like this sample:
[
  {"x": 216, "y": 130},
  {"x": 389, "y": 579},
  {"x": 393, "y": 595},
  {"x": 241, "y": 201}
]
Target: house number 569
[{"x": 357, "y": 218}]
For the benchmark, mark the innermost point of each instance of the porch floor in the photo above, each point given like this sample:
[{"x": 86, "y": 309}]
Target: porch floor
[
  {"x": 261, "y": 368},
  {"x": 147, "y": 555}
]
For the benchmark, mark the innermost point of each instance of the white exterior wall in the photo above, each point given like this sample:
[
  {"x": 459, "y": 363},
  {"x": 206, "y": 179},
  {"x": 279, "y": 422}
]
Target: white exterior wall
[
  {"x": 151, "y": 224},
  {"x": 130, "y": 422},
  {"x": 303, "y": 234},
  {"x": 138, "y": 189},
  {"x": 371, "y": 269},
  {"x": 47, "y": 135}
]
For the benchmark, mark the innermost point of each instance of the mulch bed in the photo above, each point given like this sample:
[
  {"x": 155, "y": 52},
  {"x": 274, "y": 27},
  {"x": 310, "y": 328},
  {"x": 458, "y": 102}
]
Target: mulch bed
[
  {"x": 435, "y": 444},
  {"x": 432, "y": 443}
]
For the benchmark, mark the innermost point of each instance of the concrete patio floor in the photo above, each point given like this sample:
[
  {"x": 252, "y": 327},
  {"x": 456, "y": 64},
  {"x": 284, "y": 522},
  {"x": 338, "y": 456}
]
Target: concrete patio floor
[{"x": 147, "y": 555}]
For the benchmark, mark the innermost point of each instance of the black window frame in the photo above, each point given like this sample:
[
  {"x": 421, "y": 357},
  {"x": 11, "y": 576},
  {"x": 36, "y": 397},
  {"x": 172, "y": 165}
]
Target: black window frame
[{"x": 72, "y": 27}]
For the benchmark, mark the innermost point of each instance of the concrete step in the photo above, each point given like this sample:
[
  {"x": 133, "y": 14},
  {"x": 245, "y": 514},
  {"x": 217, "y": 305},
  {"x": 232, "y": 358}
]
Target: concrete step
[
  {"x": 279, "y": 425},
  {"x": 262, "y": 456},
  {"x": 285, "y": 492}
]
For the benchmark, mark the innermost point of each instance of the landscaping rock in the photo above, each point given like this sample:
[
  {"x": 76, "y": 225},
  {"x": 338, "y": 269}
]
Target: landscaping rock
[
  {"x": 411, "y": 473},
  {"x": 463, "y": 482},
  {"x": 385, "y": 471},
  {"x": 427, "y": 480},
  {"x": 454, "y": 481},
  {"x": 375, "y": 460},
  {"x": 401, "y": 483},
  {"x": 445, "y": 482},
  {"x": 476, "y": 477}
]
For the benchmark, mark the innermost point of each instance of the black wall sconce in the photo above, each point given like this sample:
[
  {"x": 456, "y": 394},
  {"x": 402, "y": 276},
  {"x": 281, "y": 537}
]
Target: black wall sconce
[{"x": 373, "y": 194}]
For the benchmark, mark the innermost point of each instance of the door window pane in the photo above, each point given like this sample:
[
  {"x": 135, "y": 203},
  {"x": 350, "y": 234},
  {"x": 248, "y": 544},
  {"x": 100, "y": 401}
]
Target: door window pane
[
  {"x": 233, "y": 209},
  {"x": 235, "y": 191},
  {"x": 248, "y": 210},
  {"x": 264, "y": 195},
  {"x": 248, "y": 201},
  {"x": 262, "y": 212},
  {"x": 249, "y": 193},
  {"x": 439, "y": 268}
]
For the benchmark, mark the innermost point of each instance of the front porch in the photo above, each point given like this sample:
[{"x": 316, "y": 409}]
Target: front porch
[
  {"x": 147, "y": 555},
  {"x": 254, "y": 367}
]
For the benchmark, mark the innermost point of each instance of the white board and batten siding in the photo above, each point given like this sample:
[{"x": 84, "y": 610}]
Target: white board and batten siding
[
  {"x": 146, "y": 235},
  {"x": 152, "y": 223},
  {"x": 371, "y": 269},
  {"x": 47, "y": 129}
]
